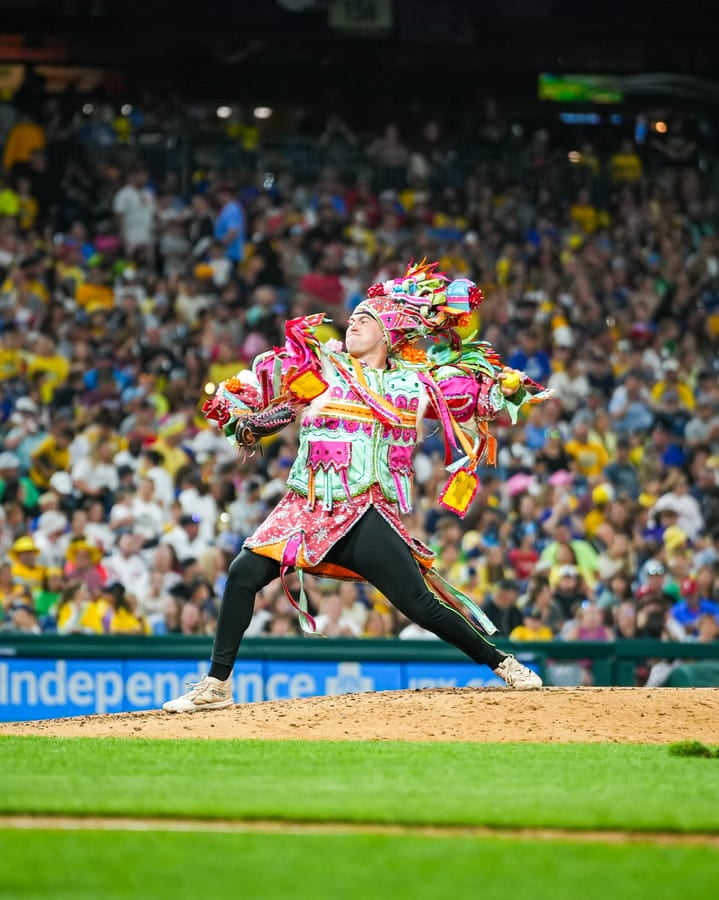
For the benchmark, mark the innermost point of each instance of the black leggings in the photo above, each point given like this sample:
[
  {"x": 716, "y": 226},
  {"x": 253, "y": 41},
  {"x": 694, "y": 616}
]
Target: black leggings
[{"x": 376, "y": 553}]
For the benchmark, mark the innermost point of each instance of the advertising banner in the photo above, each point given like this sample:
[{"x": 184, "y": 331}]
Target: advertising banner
[{"x": 54, "y": 688}]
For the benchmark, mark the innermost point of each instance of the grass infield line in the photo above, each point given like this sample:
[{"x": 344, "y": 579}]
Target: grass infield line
[{"x": 259, "y": 826}]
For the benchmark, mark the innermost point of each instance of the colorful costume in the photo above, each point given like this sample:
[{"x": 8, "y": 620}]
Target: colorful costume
[{"x": 358, "y": 425}]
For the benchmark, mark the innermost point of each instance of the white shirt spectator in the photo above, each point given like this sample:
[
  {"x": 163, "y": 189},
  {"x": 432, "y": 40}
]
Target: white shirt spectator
[
  {"x": 149, "y": 518},
  {"x": 185, "y": 539},
  {"x": 689, "y": 514},
  {"x": 125, "y": 458},
  {"x": 127, "y": 566},
  {"x": 334, "y": 620},
  {"x": 101, "y": 533},
  {"x": 204, "y": 507},
  {"x": 135, "y": 207},
  {"x": 415, "y": 632},
  {"x": 97, "y": 475},
  {"x": 151, "y": 602},
  {"x": 50, "y": 526},
  {"x": 164, "y": 486},
  {"x": 121, "y": 514}
]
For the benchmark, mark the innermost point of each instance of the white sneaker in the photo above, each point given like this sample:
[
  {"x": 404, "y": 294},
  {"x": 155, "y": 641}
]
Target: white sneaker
[
  {"x": 210, "y": 693},
  {"x": 516, "y": 675}
]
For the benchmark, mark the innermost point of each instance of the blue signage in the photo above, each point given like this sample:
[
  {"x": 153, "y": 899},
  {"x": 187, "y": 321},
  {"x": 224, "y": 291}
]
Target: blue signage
[{"x": 55, "y": 688}]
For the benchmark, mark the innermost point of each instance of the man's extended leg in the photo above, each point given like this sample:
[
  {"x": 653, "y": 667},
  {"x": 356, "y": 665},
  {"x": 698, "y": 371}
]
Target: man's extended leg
[
  {"x": 248, "y": 573},
  {"x": 376, "y": 552}
]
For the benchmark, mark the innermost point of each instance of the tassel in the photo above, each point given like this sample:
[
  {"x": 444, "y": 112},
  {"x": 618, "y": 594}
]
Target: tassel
[
  {"x": 404, "y": 506},
  {"x": 461, "y": 603},
  {"x": 307, "y": 623},
  {"x": 459, "y": 491},
  {"x": 311, "y": 489}
]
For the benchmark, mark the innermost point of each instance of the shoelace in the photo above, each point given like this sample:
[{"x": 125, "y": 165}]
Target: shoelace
[{"x": 195, "y": 685}]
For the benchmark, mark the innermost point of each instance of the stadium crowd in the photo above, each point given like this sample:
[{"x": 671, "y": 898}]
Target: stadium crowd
[{"x": 125, "y": 297}]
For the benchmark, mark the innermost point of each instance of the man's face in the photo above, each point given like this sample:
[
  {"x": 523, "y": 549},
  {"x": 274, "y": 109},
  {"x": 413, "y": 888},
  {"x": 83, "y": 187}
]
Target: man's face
[{"x": 364, "y": 334}]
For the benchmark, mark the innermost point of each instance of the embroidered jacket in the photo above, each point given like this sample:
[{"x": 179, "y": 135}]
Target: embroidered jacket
[{"x": 359, "y": 425}]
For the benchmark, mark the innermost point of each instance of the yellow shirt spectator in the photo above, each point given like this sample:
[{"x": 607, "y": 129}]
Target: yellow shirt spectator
[
  {"x": 92, "y": 297},
  {"x": 220, "y": 371},
  {"x": 12, "y": 363},
  {"x": 589, "y": 456},
  {"x": 31, "y": 285},
  {"x": 56, "y": 368},
  {"x": 123, "y": 621},
  {"x": 586, "y": 216},
  {"x": 9, "y": 203},
  {"x": 50, "y": 456},
  {"x": 525, "y": 633},
  {"x": 27, "y": 213},
  {"x": 625, "y": 166},
  {"x": 23, "y": 564},
  {"x": 90, "y": 617},
  {"x": 24, "y": 139},
  {"x": 662, "y": 389},
  {"x": 593, "y": 520}
]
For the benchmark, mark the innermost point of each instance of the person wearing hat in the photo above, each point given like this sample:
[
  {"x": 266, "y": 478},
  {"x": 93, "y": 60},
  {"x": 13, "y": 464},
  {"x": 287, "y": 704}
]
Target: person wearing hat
[
  {"x": 351, "y": 481},
  {"x": 83, "y": 565},
  {"x": 25, "y": 569}
]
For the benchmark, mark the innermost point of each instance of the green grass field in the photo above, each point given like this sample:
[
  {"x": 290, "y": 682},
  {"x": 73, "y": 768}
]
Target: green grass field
[{"x": 575, "y": 787}]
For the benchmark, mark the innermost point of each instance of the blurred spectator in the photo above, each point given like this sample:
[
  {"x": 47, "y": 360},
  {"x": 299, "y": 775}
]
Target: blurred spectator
[
  {"x": 532, "y": 627},
  {"x": 694, "y": 604},
  {"x": 502, "y": 609},
  {"x": 230, "y": 223},
  {"x": 134, "y": 206},
  {"x": 334, "y": 621},
  {"x": 184, "y": 537}
]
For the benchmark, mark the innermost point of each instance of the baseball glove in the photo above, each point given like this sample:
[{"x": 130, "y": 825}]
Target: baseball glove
[{"x": 253, "y": 426}]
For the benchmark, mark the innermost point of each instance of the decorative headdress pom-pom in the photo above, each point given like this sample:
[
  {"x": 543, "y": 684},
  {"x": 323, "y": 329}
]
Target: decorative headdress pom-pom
[
  {"x": 376, "y": 290},
  {"x": 475, "y": 297}
]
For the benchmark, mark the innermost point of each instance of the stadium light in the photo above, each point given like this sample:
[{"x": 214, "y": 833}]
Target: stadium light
[
  {"x": 223, "y": 112},
  {"x": 262, "y": 112}
]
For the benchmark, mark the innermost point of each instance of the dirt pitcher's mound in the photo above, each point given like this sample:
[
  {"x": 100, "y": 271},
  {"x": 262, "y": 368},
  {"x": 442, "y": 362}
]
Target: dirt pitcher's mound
[{"x": 639, "y": 715}]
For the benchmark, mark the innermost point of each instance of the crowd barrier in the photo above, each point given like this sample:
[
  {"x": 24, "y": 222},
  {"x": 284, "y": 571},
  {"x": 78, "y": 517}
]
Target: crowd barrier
[{"x": 49, "y": 676}]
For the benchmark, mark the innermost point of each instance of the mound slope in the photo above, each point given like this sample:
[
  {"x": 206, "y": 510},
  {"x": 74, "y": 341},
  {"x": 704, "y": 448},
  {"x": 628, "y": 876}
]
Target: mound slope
[{"x": 563, "y": 715}]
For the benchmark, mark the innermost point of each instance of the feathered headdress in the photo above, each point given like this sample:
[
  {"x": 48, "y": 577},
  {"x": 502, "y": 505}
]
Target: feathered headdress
[{"x": 423, "y": 303}]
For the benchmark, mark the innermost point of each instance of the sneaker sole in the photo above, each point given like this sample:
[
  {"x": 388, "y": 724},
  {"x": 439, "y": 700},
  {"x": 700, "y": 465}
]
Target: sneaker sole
[{"x": 205, "y": 707}]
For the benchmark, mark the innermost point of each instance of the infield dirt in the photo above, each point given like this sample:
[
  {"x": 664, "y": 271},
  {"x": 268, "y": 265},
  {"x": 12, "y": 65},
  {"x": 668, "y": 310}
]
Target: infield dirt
[{"x": 560, "y": 715}]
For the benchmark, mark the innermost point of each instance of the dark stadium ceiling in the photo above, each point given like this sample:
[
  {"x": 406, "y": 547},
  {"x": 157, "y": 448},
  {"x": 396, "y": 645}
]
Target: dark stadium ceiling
[{"x": 295, "y": 46}]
